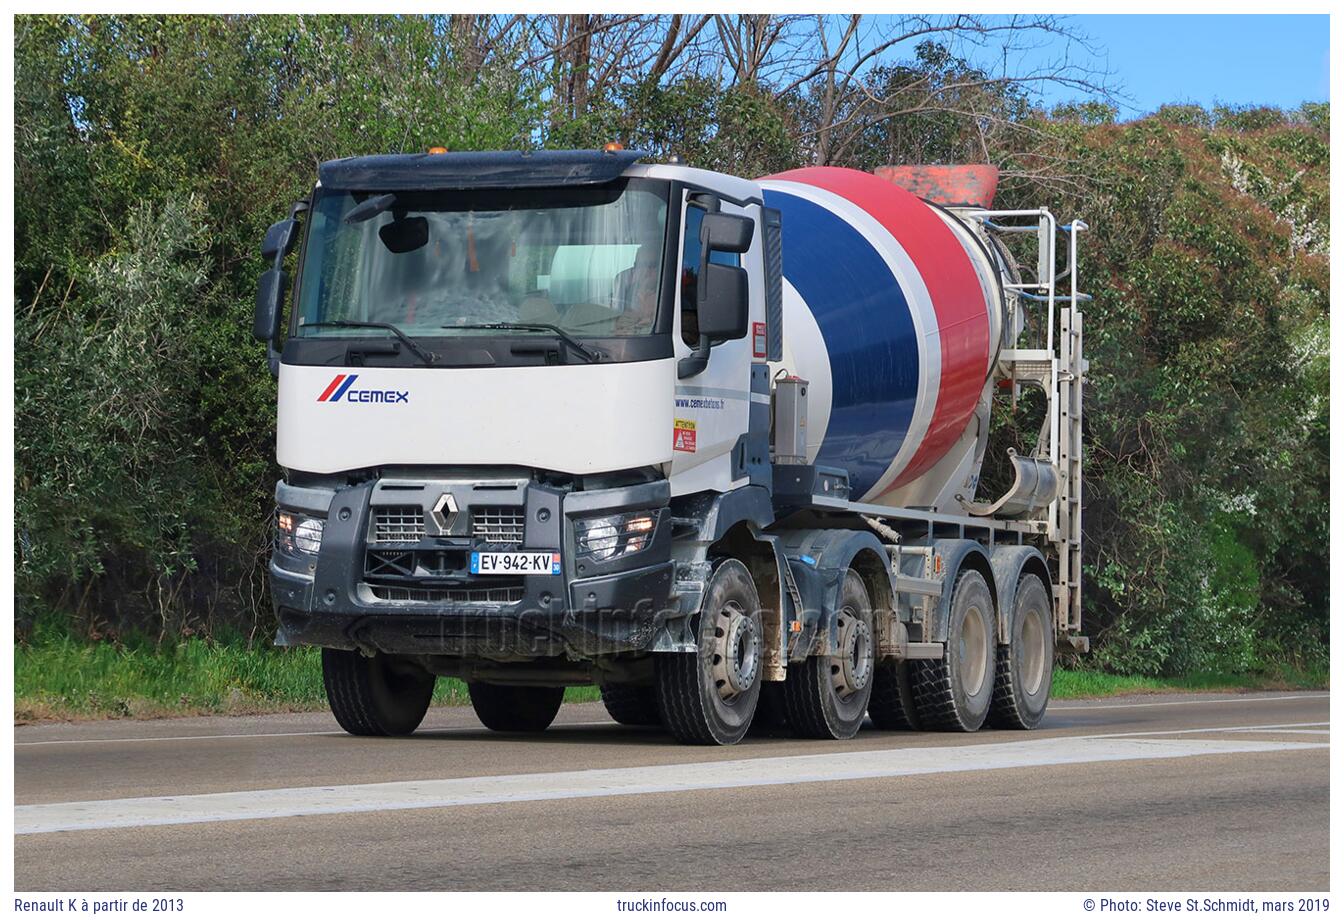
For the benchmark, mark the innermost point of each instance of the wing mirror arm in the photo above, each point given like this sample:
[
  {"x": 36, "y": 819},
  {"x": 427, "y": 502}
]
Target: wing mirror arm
[{"x": 696, "y": 361}]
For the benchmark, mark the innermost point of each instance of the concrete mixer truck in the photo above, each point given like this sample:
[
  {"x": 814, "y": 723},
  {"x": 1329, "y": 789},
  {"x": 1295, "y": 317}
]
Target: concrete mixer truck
[{"x": 711, "y": 444}]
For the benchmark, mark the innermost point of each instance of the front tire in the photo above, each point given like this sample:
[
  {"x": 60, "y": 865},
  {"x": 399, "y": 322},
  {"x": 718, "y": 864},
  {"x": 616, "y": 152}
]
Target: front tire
[
  {"x": 953, "y": 693},
  {"x": 826, "y": 696},
  {"x": 504, "y": 708},
  {"x": 375, "y": 696},
  {"x": 1026, "y": 664},
  {"x": 709, "y": 696}
]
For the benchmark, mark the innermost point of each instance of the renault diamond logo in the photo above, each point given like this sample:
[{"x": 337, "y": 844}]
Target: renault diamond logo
[{"x": 444, "y": 514}]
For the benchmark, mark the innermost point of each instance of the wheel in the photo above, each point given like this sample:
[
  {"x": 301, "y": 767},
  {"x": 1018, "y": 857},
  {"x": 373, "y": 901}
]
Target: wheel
[
  {"x": 892, "y": 705},
  {"x": 505, "y": 708},
  {"x": 375, "y": 696},
  {"x": 953, "y": 693},
  {"x": 709, "y": 696},
  {"x": 630, "y": 704},
  {"x": 1026, "y": 664},
  {"x": 825, "y": 696}
]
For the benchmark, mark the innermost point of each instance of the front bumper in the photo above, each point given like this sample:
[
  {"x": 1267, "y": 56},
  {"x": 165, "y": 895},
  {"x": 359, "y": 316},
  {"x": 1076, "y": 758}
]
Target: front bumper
[{"x": 590, "y": 609}]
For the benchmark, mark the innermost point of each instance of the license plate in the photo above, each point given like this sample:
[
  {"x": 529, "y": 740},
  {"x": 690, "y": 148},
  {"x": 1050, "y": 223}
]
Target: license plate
[{"x": 515, "y": 563}]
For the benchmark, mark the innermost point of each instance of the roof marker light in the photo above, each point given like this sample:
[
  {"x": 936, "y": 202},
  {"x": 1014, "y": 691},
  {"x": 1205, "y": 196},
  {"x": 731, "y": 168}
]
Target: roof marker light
[
  {"x": 612, "y": 147},
  {"x": 438, "y": 149}
]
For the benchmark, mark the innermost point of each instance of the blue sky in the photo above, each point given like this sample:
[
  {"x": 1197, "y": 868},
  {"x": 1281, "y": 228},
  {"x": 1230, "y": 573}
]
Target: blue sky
[{"x": 1231, "y": 59}]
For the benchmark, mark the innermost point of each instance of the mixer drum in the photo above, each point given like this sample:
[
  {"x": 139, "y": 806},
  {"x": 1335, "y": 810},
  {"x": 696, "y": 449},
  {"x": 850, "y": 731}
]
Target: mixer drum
[{"x": 892, "y": 311}]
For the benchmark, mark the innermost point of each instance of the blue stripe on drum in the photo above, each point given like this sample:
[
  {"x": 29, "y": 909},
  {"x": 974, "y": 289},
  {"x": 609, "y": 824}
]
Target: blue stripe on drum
[{"x": 865, "y": 322}]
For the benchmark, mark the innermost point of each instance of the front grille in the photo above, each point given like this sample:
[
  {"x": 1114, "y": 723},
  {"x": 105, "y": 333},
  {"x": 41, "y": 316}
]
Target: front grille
[
  {"x": 398, "y": 524},
  {"x": 501, "y": 524},
  {"x": 504, "y": 595},
  {"x": 498, "y": 524}
]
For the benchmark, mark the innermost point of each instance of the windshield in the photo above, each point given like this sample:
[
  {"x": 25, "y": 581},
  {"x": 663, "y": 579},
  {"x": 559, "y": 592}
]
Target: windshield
[{"x": 587, "y": 261}]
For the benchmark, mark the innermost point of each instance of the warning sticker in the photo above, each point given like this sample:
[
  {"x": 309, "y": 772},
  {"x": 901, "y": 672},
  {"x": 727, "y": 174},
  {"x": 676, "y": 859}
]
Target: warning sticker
[
  {"x": 758, "y": 340},
  {"x": 683, "y": 435}
]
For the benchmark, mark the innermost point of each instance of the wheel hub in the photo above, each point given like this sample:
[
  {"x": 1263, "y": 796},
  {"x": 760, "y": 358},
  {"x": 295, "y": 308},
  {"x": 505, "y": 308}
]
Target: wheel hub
[
  {"x": 1035, "y": 650},
  {"x": 737, "y": 652},
  {"x": 854, "y": 663},
  {"x": 971, "y": 651}
]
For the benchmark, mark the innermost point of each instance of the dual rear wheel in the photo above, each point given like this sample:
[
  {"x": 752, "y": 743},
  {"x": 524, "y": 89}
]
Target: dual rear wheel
[{"x": 977, "y": 681}]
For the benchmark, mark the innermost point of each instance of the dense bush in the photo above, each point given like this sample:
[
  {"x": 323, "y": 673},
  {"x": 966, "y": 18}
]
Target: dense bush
[{"x": 151, "y": 153}]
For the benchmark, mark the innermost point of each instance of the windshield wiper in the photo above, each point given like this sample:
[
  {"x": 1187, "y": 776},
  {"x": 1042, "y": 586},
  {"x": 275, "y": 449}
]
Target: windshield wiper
[
  {"x": 427, "y": 357},
  {"x": 590, "y": 355}
]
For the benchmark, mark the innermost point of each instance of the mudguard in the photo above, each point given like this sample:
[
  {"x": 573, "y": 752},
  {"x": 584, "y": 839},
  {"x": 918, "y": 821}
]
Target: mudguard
[
  {"x": 818, "y": 560},
  {"x": 1008, "y": 564},
  {"x": 701, "y": 520},
  {"x": 951, "y": 556}
]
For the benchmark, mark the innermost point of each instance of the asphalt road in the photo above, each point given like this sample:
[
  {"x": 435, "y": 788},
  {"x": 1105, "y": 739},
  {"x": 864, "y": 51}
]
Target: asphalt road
[{"x": 1212, "y": 792}]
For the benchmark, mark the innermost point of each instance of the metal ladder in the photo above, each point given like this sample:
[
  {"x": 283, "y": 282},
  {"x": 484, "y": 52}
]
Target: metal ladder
[
  {"x": 1067, "y": 511},
  {"x": 1060, "y": 369}
]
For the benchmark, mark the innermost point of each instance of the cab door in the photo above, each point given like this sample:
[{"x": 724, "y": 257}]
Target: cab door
[{"x": 712, "y": 409}]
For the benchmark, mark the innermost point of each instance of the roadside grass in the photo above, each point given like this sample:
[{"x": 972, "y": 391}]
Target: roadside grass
[
  {"x": 59, "y": 677},
  {"x": 1082, "y": 684}
]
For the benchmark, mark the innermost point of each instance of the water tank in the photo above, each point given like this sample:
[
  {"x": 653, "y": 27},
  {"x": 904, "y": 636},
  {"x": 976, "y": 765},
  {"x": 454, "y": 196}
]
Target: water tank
[{"x": 893, "y": 311}]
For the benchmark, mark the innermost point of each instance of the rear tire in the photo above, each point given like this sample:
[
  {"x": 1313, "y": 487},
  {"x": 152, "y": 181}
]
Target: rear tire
[
  {"x": 375, "y": 696},
  {"x": 1026, "y": 664},
  {"x": 892, "y": 706},
  {"x": 825, "y": 696},
  {"x": 504, "y": 708},
  {"x": 630, "y": 704},
  {"x": 953, "y": 693},
  {"x": 709, "y": 696}
]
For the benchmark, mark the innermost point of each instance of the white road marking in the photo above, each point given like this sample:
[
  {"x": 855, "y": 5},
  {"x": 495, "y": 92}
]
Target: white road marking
[
  {"x": 485, "y": 790},
  {"x": 428, "y": 731},
  {"x": 1240, "y": 699},
  {"x": 1280, "y": 729}
]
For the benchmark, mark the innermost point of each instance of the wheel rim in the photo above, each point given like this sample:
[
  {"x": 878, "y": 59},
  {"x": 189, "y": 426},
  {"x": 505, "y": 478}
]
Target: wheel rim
[
  {"x": 971, "y": 648},
  {"x": 852, "y": 668},
  {"x": 737, "y": 652},
  {"x": 1033, "y": 652}
]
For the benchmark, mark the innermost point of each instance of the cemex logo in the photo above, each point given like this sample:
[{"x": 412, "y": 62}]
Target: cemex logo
[{"x": 342, "y": 387}]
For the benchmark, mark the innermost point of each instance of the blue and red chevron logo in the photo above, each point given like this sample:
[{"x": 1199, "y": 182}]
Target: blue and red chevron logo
[
  {"x": 336, "y": 389},
  {"x": 341, "y": 388}
]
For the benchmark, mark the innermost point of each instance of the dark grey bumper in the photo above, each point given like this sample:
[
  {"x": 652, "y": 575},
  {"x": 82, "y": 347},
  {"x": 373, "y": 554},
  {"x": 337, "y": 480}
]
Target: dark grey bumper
[{"x": 590, "y": 609}]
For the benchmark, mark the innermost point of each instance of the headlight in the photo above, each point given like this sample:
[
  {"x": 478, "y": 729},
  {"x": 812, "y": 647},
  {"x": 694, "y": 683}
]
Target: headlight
[
  {"x": 296, "y": 533},
  {"x": 615, "y": 535}
]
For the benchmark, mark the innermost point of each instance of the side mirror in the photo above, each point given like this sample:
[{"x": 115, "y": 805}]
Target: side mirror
[
  {"x": 270, "y": 298},
  {"x": 723, "y": 312},
  {"x": 726, "y": 232},
  {"x": 280, "y": 239}
]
